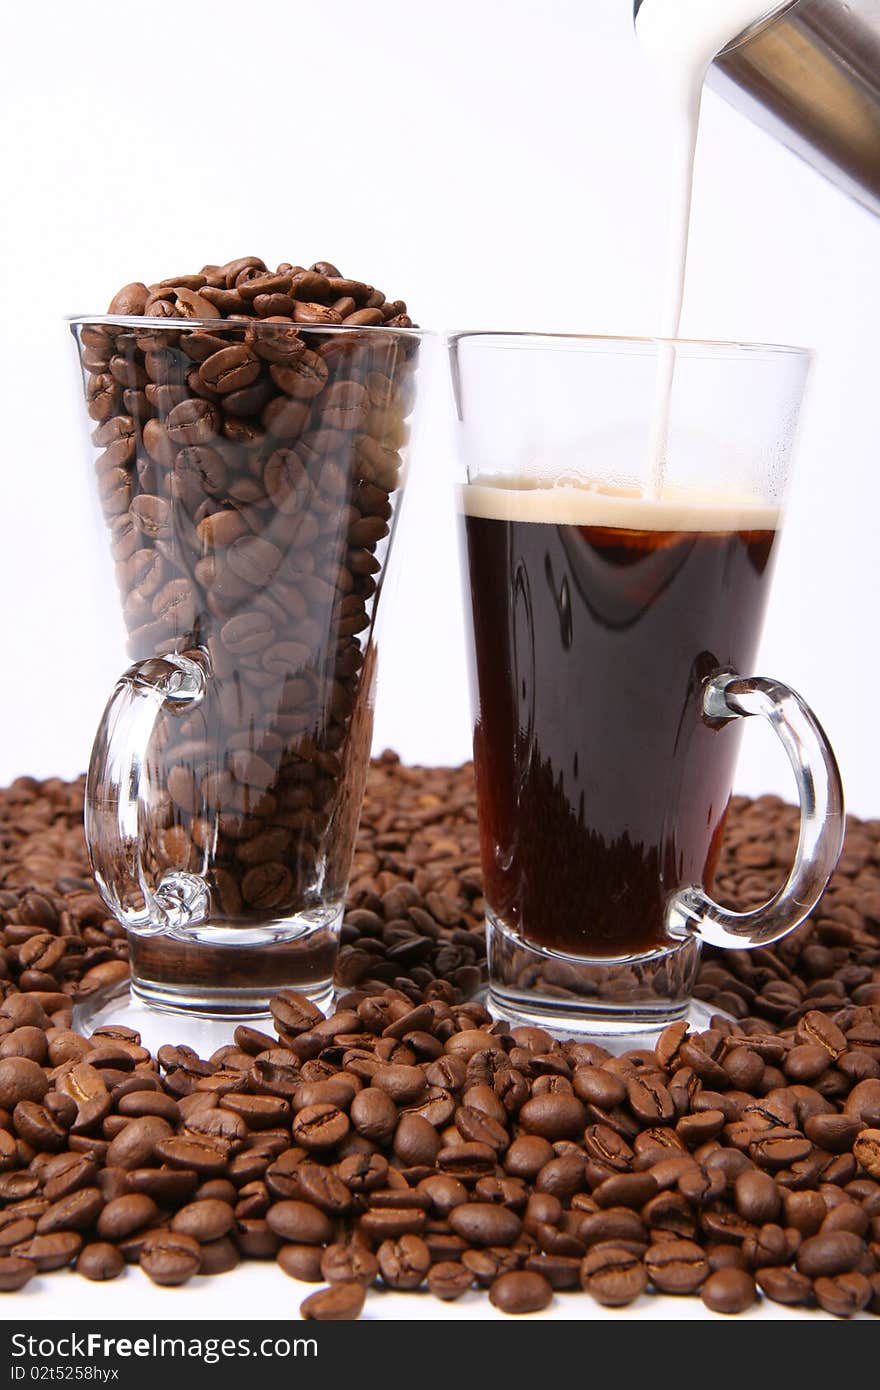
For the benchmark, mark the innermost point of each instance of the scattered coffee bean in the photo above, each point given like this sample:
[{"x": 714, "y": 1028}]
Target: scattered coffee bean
[
  {"x": 448, "y": 1280},
  {"x": 612, "y": 1275},
  {"x": 483, "y": 1223},
  {"x": 728, "y": 1291},
  {"x": 756, "y": 1196},
  {"x": 219, "y": 1256},
  {"x": 300, "y": 1222},
  {"x": 346, "y": 1262},
  {"x": 99, "y": 1261},
  {"x": 205, "y": 1220},
  {"x": 784, "y": 1285},
  {"x": 170, "y": 1258},
  {"x": 844, "y": 1295},
  {"x": 676, "y": 1266},
  {"x": 337, "y": 1303},
  {"x": 404, "y": 1263},
  {"x": 302, "y": 1262},
  {"x": 15, "y": 1272},
  {"x": 521, "y": 1291},
  {"x": 838, "y": 1252}
]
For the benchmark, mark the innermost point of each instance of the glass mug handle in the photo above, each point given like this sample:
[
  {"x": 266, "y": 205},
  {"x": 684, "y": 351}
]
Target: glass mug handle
[
  {"x": 116, "y": 797},
  {"x": 692, "y": 912}
]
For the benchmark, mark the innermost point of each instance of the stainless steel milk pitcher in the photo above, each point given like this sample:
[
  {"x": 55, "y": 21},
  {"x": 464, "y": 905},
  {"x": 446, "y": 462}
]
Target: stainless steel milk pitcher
[{"x": 809, "y": 72}]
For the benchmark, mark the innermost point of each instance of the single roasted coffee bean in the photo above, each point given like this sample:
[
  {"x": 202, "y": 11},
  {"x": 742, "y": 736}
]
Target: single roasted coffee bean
[
  {"x": 553, "y": 1116},
  {"x": 612, "y": 1275},
  {"x": 140, "y": 1103},
  {"x": 625, "y": 1190},
  {"x": 779, "y": 1149},
  {"x": 444, "y": 1193},
  {"x": 676, "y": 1266},
  {"x": 844, "y": 1295},
  {"x": 374, "y": 1114},
  {"x": 816, "y": 1029},
  {"x": 219, "y": 1256},
  {"x": 837, "y": 1252},
  {"x": 404, "y": 1084},
  {"x": 21, "y": 1079},
  {"x": 123, "y": 1216},
  {"x": 389, "y": 1223},
  {"x": 76, "y": 1212},
  {"x": 847, "y": 1216},
  {"x": 300, "y": 1222},
  {"x": 337, "y": 1303},
  {"x": 449, "y": 1279},
  {"x": 650, "y": 1101},
  {"x": 320, "y": 1127},
  {"x": 563, "y": 1271},
  {"x": 728, "y": 1291},
  {"x": 323, "y": 1188},
  {"x": 614, "y": 1224},
  {"x": 866, "y": 1151},
  {"x": 205, "y": 1220},
  {"x": 19, "y": 1228},
  {"x": 361, "y": 1172},
  {"x": 15, "y": 1272},
  {"x": 49, "y": 1252},
  {"x": 723, "y": 1256},
  {"x": 99, "y": 1261},
  {"x": 170, "y": 1258},
  {"x": 521, "y": 1291},
  {"x": 527, "y": 1155},
  {"x": 69, "y": 1172},
  {"x": 484, "y": 1223},
  {"x": 599, "y": 1087},
  {"x": 136, "y": 1144},
  {"x": 756, "y": 1196},
  {"x": 404, "y": 1263},
  {"x": 191, "y": 1153},
  {"x": 302, "y": 1262},
  {"x": 766, "y": 1246},
  {"x": 341, "y": 1263},
  {"x": 230, "y": 369},
  {"x": 486, "y": 1264},
  {"x": 805, "y": 1211},
  {"x": 166, "y": 1186},
  {"x": 786, "y": 1286}
]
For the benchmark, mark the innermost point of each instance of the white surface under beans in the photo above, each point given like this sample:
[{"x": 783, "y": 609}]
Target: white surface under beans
[{"x": 258, "y": 1290}]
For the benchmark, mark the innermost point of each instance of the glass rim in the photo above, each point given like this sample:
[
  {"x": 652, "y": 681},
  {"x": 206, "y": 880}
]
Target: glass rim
[
  {"x": 635, "y": 343},
  {"x": 178, "y": 325}
]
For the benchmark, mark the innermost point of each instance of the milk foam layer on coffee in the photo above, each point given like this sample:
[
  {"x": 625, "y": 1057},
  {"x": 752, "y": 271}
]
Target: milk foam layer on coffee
[{"x": 497, "y": 498}]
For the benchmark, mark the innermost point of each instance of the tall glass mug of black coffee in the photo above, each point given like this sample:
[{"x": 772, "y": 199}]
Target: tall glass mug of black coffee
[
  {"x": 618, "y": 576},
  {"x": 248, "y": 471}
]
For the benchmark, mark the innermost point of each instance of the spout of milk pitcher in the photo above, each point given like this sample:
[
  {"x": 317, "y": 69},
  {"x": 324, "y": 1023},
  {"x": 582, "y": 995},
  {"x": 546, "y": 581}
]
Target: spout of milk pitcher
[{"x": 808, "y": 72}]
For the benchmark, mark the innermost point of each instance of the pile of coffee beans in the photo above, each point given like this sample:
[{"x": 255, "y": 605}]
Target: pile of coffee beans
[
  {"x": 250, "y": 424},
  {"x": 407, "y": 1141}
]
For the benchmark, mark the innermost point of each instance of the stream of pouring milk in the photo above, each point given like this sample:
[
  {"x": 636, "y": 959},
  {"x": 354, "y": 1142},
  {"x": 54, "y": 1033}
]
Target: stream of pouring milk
[{"x": 681, "y": 38}]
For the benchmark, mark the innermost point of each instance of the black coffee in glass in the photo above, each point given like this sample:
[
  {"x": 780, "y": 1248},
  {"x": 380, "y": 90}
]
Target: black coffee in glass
[{"x": 597, "y": 619}]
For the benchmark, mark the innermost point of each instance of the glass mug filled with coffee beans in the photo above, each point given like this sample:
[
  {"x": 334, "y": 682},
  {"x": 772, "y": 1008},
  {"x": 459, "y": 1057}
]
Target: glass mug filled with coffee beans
[
  {"x": 621, "y": 506},
  {"x": 249, "y": 470}
]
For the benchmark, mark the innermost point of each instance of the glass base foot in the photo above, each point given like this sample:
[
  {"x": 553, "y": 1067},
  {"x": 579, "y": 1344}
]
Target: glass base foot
[
  {"x": 616, "y": 1033},
  {"x": 630, "y": 999},
  {"x": 158, "y": 1024}
]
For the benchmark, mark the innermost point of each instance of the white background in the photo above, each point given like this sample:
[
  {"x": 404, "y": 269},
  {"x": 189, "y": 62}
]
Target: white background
[{"x": 496, "y": 164}]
